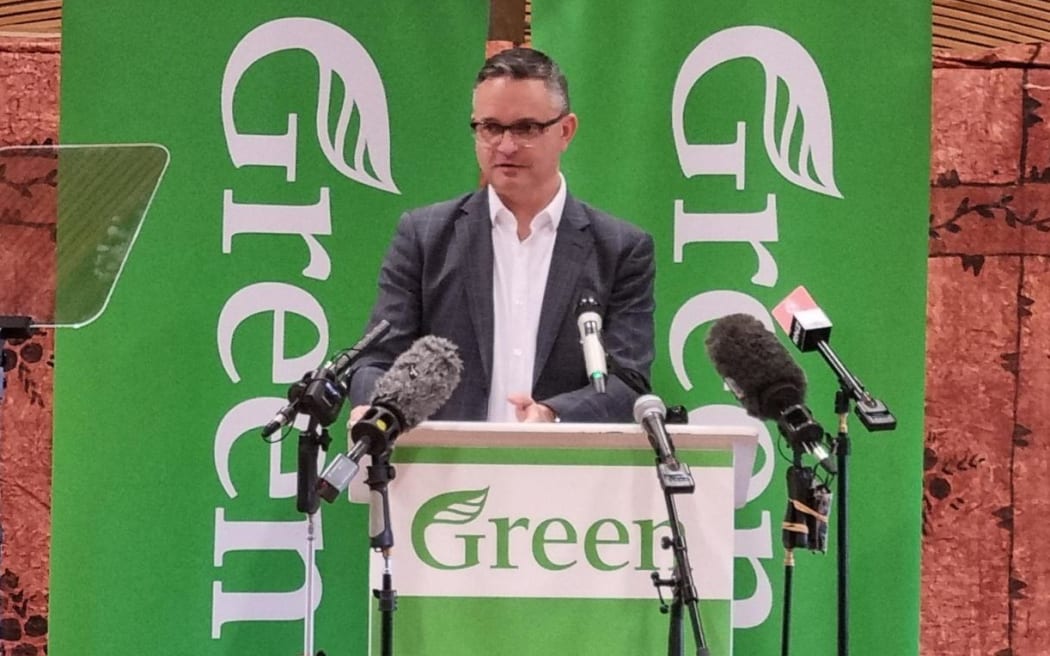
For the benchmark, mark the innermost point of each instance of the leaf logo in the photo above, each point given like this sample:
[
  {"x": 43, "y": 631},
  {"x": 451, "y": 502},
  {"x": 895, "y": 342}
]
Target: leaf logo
[
  {"x": 787, "y": 65},
  {"x": 451, "y": 508},
  {"x": 343, "y": 55},
  {"x": 342, "y": 62},
  {"x": 459, "y": 507}
]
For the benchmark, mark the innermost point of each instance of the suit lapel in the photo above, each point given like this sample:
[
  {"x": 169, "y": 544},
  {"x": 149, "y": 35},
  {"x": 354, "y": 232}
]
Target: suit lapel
[
  {"x": 473, "y": 249},
  {"x": 572, "y": 248}
]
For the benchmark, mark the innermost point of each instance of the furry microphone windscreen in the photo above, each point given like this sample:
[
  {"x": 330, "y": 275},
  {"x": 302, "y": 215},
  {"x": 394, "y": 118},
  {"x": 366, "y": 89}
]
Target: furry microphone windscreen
[
  {"x": 420, "y": 380},
  {"x": 755, "y": 365}
]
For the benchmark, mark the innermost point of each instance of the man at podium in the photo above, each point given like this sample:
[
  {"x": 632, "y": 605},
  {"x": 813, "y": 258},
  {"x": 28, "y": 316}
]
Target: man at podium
[{"x": 500, "y": 271}]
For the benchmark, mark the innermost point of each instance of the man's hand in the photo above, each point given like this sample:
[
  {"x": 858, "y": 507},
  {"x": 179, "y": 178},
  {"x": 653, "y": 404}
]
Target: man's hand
[
  {"x": 527, "y": 409},
  {"x": 355, "y": 414}
]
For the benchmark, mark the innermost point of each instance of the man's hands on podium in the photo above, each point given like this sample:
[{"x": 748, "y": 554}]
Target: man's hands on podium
[
  {"x": 527, "y": 409},
  {"x": 355, "y": 414}
]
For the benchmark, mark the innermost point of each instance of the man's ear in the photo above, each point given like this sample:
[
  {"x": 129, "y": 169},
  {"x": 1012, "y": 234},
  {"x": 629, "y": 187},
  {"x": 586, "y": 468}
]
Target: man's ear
[{"x": 568, "y": 129}]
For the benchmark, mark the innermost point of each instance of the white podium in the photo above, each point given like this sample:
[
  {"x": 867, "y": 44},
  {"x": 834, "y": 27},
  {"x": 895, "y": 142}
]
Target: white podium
[{"x": 542, "y": 538}]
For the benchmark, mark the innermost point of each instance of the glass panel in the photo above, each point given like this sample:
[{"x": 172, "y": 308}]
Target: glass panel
[{"x": 69, "y": 216}]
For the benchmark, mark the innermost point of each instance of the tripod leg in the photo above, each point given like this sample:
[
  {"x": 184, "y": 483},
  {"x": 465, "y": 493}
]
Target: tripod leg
[
  {"x": 789, "y": 573},
  {"x": 674, "y": 633},
  {"x": 387, "y": 597},
  {"x": 308, "y": 612}
]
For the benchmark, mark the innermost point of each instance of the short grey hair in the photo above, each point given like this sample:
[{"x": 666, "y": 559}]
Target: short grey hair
[{"x": 527, "y": 64}]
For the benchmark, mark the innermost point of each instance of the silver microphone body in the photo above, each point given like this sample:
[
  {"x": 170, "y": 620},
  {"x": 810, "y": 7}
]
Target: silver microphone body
[
  {"x": 651, "y": 413},
  {"x": 589, "y": 323},
  {"x": 674, "y": 476}
]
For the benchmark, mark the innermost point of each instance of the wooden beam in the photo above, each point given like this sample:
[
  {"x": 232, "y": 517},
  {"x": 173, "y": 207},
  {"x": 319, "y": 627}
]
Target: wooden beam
[
  {"x": 507, "y": 21},
  {"x": 27, "y": 8}
]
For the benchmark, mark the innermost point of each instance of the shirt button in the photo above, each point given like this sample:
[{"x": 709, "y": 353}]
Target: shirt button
[{"x": 517, "y": 352}]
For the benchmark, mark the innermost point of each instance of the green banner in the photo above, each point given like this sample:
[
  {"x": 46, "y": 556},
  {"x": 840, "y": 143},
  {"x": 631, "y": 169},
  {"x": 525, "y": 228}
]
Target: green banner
[
  {"x": 768, "y": 145},
  {"x": 297, "y": 134}
]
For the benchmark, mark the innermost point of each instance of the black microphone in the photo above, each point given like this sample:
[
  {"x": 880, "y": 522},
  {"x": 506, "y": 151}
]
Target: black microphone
[
  {"x": 589, "y": 322},
  {"x": 339, "y": 367},
  {"x": 765, "y": 379},
  {"x": 810, "y": 330},
  {"x": 418, "y": 383},
  {"x": 650, "y": 412},
  {"x": 321, "y": 393}
]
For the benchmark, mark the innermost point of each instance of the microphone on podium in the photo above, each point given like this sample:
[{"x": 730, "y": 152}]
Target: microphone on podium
[
  {"x": 589, "y": 322},
  {"x": 651, "y": 413}
]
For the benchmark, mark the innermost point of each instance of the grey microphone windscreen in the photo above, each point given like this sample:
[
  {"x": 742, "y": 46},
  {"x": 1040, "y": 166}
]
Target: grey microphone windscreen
[
  {"x": 755, "y": 365},
  {"x": 420, "y": 380}
]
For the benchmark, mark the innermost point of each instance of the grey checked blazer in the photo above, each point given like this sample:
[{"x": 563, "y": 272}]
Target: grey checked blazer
[{"x": 436, "y": 279}]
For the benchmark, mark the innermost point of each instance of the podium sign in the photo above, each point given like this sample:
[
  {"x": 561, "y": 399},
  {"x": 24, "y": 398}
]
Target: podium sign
[{"x": 527, "y": 539}]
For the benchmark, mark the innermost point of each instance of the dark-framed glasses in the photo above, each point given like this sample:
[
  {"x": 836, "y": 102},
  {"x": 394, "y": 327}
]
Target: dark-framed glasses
[{"x": 522, "y": 132}]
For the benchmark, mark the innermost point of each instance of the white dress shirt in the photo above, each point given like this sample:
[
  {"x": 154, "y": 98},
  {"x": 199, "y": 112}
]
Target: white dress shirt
[{"x": 519, "y": 277}]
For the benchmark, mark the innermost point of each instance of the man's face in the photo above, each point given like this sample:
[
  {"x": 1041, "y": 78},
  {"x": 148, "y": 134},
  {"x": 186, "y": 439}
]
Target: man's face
[{"x": 519, "y": 163}]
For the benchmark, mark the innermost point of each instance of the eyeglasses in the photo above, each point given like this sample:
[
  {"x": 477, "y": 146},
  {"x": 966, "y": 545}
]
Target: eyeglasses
[{"x": 523, "y": 132}]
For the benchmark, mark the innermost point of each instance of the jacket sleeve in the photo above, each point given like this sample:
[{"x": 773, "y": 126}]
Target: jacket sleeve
[{"x": 399, "y": 302}]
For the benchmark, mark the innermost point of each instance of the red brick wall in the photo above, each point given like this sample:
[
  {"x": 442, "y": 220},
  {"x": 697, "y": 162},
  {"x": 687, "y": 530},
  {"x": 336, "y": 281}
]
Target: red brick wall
[
  {"x": 985, "y": 584},
  {"x": 29, "y": 73}
]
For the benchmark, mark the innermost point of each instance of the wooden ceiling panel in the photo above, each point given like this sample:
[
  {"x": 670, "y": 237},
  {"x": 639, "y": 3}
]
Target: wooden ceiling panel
[{"x": 34, "y": 16}]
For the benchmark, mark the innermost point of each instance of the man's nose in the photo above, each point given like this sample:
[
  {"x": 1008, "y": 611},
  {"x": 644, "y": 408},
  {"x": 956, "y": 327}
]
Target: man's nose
[{"x": 506, "y": 143}]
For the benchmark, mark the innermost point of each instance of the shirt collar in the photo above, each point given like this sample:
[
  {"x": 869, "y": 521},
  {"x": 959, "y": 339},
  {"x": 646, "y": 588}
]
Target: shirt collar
[{"x": 552, "y": 211}]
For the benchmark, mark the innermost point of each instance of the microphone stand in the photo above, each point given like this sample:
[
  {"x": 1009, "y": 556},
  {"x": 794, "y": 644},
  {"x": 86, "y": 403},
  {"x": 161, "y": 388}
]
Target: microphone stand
[
  {"x": 380, "y": 473},
  {"x": 11, "y": 327},
  {"x": 790, "y": 530},
  {"x": 320, "y": 395},
  {"x": 307, "y": 501},
  {"x": 683, "y": 587},
  {"x": 875, "y": 416},
  {"x": 373, "y": 434},
  {"x": 840, "y": 446}
]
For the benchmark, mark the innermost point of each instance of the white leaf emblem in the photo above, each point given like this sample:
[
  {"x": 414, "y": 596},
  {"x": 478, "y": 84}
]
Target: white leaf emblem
[
  {"x": 784, "y": 60},
  {"x": 338, "y": 55}
]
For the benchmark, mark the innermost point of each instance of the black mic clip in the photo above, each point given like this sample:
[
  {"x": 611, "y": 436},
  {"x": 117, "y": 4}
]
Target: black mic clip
[
  {"x": 675, "y": 477},
  {"x": 677, "y": 414},
  {"x": 874, "y": 415},
  {"x": 374, "y": 433},
  {"x": 320, "y": 393},
  {"x": 801, "y": 430}
]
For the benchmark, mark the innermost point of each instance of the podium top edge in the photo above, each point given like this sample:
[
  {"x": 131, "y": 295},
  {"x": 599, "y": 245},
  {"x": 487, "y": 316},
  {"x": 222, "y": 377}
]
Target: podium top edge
[{"x": 572, "y": 435}]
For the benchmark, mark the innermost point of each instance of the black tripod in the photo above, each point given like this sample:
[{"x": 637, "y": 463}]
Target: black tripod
[
  {"x": 677, "y": 479},
  {"x": 11, "y": 327},
  {"x": 683, "y": 591},
  {"x": 381, "y": 539},
  {"x": 875, "y": 416},
  {"x": 311, "y": 441},
  {"x": 805, "y": 526},
  {"x": 319, "y": 395},
  {"x": 373, "y": 434}
]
